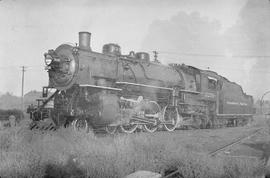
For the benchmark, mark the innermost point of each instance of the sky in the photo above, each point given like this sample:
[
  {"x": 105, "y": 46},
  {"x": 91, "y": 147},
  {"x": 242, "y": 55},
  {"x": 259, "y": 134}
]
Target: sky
[{"x": 178, "y": 29}]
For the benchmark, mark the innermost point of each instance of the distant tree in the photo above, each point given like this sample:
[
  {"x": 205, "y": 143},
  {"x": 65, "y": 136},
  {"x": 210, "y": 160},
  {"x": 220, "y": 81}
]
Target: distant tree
[
  {"x": 4, "y": 114},
  {"x": 10, "y": 101}
]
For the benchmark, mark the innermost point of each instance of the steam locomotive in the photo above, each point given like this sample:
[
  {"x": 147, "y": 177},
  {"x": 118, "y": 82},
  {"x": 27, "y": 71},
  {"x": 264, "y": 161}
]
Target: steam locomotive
[{"x": 114, "y": 91}]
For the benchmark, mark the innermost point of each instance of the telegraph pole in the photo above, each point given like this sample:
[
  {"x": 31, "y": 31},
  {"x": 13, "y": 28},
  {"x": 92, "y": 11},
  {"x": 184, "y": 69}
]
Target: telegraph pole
[
  {"x": 155, "y": 56},
  {"x": 22, "y": 97}
]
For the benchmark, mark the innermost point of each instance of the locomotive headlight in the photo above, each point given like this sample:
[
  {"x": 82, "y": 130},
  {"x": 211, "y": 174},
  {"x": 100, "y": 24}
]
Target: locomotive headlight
[{"x": 48, "y": 59}]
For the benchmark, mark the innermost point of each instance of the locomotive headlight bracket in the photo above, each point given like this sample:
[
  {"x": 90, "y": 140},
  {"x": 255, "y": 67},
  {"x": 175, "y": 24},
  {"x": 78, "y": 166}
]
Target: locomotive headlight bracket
[{"x": 48, "y": 59}]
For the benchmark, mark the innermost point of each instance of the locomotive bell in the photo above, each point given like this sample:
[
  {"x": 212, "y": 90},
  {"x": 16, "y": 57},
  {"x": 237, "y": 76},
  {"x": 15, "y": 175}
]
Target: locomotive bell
[
  {"x": 84, "y": 40},
  {"x": 48, "y": 59}
]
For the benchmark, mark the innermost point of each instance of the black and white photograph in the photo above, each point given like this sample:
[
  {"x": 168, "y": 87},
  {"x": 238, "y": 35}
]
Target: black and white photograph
[{"x": 135, "y": 89}]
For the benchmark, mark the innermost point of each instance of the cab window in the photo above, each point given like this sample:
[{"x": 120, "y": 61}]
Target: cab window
[
  {"x": 212, "y": 83},
  {"x": 198, "y": 81}
]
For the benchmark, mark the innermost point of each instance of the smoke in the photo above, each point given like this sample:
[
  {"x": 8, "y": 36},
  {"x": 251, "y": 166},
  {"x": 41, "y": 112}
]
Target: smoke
[
  {"x": 193, "y": 39},
  {"x": 250, "y": 36},
  {"x": 189, "y": 33}
]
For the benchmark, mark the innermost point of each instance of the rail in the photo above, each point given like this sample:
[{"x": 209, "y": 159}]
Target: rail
[
  {"x": 213, "y": 153},
  {"x": 234, "y": 114}
]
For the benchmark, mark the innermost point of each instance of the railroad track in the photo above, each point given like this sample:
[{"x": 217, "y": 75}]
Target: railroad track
[
  {"x": 215, "y": 152},
  {"x": 52, "y": 127}
]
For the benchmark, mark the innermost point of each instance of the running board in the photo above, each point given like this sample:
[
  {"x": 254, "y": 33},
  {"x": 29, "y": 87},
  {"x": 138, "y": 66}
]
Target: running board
[
  {"x": 233, "y": 115},
  {"x": 156, "y": 87},
  {"x": 100, "y": 87}
]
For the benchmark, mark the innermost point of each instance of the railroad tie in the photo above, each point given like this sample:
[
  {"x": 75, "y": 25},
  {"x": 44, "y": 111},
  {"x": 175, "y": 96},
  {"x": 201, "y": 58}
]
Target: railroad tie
[{"x": 32, "y": 126}]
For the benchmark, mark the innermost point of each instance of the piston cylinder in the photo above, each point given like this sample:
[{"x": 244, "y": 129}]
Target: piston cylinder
[{"x": 84, "y": 40}]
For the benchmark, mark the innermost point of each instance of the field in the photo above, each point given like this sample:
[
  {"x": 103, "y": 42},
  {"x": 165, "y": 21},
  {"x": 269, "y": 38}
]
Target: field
[{"x": 65, "y": 153}]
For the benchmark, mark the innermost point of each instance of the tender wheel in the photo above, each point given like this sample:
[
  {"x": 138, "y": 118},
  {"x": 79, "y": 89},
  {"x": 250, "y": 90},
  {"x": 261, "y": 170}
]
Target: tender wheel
[
  {"x": 170, "y": 114},
  {"x": 81, "y": 125},
  {"x": 205, "y": 122},
  {"x": 72, "y": 123},
  {"x": 111, "y": 129},
  {"x": 209, "y": 124},
  {"x": 130, "y": 128},
  {"x": 235, "y": 122},
  {"x": 152, "y": 108}
]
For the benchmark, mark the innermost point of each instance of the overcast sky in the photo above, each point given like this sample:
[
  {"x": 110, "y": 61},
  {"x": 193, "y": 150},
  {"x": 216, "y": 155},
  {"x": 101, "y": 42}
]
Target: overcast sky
[{"x": 30, "y": 27}]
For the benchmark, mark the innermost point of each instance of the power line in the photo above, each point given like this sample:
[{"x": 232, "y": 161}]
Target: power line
[
  {"x": 216, "y": 66},
  {"x": 30, "y": 67},
  {"x": 155, "y": 56},
  {"x": 213, "y": 55}
]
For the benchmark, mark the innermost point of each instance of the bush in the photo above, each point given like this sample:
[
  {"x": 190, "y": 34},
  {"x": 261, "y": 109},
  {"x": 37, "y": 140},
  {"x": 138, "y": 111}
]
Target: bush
[
  {"x": 66, "y": 153},
  {"x": 4, "y": 114}
]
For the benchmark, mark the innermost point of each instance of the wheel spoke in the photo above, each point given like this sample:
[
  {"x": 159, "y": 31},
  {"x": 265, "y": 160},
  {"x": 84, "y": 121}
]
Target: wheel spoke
[
  {"x": 111, "y": 129},
  {"x": 81, "y": 125},
  {"x": 128, "y": 128},
  {"x": 150, "y": 127},
  {"x": 151, "y": 108},
  {"x": 170, "y": 114},
  {"x": 209, "y": 124}
]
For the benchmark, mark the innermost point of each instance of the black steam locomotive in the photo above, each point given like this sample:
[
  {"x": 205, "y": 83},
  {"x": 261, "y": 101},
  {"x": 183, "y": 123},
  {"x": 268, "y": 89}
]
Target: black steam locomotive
[{"x": 114, "y": 91}]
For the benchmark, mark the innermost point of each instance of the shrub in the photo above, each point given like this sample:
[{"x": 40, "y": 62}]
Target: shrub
[
  {"x": 66, "y": 153},
  {"x": 4, "y": 114}
]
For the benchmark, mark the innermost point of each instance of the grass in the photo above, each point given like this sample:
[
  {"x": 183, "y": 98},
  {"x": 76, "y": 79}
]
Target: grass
[{"x": 65, "y": 153}]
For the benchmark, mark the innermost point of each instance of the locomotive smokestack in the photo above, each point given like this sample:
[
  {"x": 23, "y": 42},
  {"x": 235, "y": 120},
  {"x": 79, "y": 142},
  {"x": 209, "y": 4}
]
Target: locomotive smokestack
[{"x": 84, "y": 40}]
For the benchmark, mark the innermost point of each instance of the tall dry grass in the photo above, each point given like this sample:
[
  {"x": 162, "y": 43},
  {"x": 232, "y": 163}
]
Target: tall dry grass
[{"x": 65, "y": 153}]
